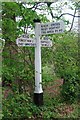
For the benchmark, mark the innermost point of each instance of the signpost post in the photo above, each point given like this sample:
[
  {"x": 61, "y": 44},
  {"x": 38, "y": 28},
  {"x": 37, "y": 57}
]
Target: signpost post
[
  {"x": 38, "y": 93},
  {"x": 40, "y": 29}
]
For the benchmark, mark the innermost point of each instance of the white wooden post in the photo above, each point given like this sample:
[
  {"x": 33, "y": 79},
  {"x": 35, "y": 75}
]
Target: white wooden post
[{"x": 38, "y": 93}]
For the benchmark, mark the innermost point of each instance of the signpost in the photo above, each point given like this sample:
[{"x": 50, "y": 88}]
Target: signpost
[
  {"x": 51, "y": 28},
  {"x": 40, "y": 29},
  {"x": 29, "y": 42},
  {"x": 46, "y": 43},
  {"x": 25, "y": 42}
]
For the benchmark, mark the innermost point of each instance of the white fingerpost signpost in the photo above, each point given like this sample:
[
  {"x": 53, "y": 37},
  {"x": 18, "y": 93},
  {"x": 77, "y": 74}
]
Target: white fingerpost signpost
[
  {"x": 52, "y": 28},
  {"x": 38, "y": 93},
  {"x": 40, "y": 29}
]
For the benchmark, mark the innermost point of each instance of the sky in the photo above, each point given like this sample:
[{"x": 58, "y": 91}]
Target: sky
[{"x": 65, "y": 7}]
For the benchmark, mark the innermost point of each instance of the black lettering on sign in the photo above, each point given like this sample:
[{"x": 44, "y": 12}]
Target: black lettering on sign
[
  {"x": 22, "y": 40},
  {"x": 48, "y": 31},
  {"x": 60, "y": 30},
  {"x": 41, "y": 44},
  {"x": 58, "y": 24},
  {"x": 44, "y": 44},
  {"x": 42, "y": 41},
  {"x": 20, "y": 43},
  {"x": 43, "y": 32},
  {"x": 56, "y": 30},
  {"x": 27, "y": 44},
  {"x": 28, "y": 40},
  {"x": 51, "y": 28},
  {"x": 57, "y": 27},
  {"x": 43, "y": 29},
  {"x": 52, "y": 31},
  {"x": 53, "y": 24},
  {"x": 44, "y": 26}
]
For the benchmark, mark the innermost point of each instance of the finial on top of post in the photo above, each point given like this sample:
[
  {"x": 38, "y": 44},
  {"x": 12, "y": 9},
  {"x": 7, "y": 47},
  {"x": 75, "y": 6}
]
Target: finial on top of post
[{"x": 37, "y": 20}]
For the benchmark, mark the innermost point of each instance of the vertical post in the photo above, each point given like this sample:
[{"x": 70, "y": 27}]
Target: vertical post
[{"x": 38, "y": 93}]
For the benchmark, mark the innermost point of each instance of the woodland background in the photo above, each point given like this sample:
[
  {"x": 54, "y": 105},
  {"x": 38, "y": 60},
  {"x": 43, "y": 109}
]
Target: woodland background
[{"x": 60, "y": 63}]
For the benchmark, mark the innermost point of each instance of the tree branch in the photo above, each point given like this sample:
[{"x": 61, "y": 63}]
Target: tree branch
[
  {"x": 48, "y": 5},
  {"x": 21, "y": 52},
  {"x": 67, "y": 14},
  {"x": 72, "y": 21}
]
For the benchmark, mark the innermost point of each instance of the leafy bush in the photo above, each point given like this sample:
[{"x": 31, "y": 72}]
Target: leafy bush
[
  {"x": 48, "y": 75},
  {"x": 66, "y": 64},
  {"x": 16, "y": 106},
  {"x": 19, "y": 106}
]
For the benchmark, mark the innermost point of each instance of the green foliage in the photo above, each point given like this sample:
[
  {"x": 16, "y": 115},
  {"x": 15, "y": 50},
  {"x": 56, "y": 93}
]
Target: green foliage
[
  {"x": 70, "y": 92},
  {"x": 9, "y": 29},
  {"x": 17, "y": 106},
  {"x": 28, "y": 15},
  {"x": 9, "y": 25},
  {"x": 21, "y": 106},
  {"x": 65, "y": 61},
  {"x": 47, "y": 74},
  {"x": 18, "y": 65},
  {"x": 10, "y": 8}
]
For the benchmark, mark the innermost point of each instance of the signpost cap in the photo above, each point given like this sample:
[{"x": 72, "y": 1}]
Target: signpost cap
[{"x": 37, "y": 20}]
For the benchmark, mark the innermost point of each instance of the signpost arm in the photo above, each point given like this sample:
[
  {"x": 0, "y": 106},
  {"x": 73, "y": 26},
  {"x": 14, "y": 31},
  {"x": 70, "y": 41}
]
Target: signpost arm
[{"x": 38, "y": 93}]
